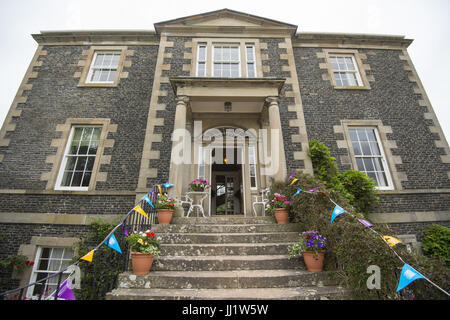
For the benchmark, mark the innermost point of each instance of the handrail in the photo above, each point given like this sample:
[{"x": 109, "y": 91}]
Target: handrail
[{"x": 116, "y": 262}]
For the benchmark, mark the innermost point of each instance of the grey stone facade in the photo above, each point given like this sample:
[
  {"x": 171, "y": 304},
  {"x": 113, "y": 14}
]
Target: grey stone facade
[{"x": 51, "y": 95}]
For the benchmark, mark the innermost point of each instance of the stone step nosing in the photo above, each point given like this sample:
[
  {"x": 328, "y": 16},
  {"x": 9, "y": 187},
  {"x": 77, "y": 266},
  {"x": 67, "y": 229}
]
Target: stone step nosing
[
  {"x": 227, "y": 237},
  {"x": 299, "y": 293}
]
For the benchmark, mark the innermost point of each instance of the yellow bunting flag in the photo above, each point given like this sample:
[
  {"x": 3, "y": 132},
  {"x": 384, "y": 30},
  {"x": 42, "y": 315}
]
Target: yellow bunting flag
[
  {"x": 138, "y": 209},
  {"x": 391, "y": 240},
  {"x": 159, "y": 187},
  {"x": 294, "y": 181},
  {"x": 88, "y": 257}
]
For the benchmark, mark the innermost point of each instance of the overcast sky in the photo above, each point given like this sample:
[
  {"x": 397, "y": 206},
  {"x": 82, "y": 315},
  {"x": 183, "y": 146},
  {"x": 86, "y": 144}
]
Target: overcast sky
[{"x": 425, "y": 21}]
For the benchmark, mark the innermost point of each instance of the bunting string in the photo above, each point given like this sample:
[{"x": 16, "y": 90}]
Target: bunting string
[{"x": 408, "y": 273}]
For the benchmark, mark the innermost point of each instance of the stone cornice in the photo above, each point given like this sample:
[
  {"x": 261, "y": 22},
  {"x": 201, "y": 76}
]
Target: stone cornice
[
  {"x": 312, "y": 39},
  {"x": 141, "y": 37}
]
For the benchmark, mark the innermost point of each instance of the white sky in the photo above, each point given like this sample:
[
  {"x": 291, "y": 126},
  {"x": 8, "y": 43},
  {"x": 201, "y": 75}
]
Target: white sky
[{"x": 425, "y": 21}]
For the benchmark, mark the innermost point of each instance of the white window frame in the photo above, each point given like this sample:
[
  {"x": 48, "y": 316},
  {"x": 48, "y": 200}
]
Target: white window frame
[
  {"x": 62, "y": 168},
  {"x": 382, "y": 156},
  {"x": 252, "y": 152},
  {"x": 214, "y": 45},
  {"x": 201, "y": 162},
  {"x": 356, "y": 72},
  {"x": 35, "y": 271},
  {"x": 204, "y": 62},
  {"x": 248, "y": 62},
  {"x": 92, "y": 67}
]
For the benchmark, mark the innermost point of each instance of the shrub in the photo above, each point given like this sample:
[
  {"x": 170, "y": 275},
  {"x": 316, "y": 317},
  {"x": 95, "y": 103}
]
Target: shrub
[
  {"x": 437, "y": 242},
  {"x": 324, "y": 165},
  {"x": 352, "y": 248}
]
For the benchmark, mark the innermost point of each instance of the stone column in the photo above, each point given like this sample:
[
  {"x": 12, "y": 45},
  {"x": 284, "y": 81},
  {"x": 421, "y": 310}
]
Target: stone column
[
  {"x": 277, "y": 153},
  {"x": 176, "y": 170}
]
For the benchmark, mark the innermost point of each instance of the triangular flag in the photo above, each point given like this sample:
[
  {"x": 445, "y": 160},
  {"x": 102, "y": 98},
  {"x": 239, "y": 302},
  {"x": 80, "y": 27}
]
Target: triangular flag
[
  {"x": 147, "y": 198},
  {"x": 124, "y": 229},
  {"x": 407, "y": 276},
  {"x": 88, "y": 257},
  {"x": 366, "y": 223},
  {"x": 292, "y": 174},
  {"x": 167, "y": 185},
  {"x": 392, "y": 241},
  {"x": 336, "y": 211},
  {"x": 65, "y": 291},
  {"x": 159, "y": 187},
  {"x": 294, "y": 181},
  {"x": 138, "y": 209},
  {"x": 312, "y": 190},
  {"x": 298, "y": 192},
  {"x": 113, "y": 244}
]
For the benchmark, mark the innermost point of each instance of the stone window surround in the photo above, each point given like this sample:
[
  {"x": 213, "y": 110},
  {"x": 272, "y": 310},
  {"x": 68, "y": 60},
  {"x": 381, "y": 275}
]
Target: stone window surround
[
  {"x": 86, "y": 64},
  {"x": 61, "y": 144},
  {"x": 391, "y": 160},
  {"x": 358, "y": 57},
  {"x": 211, "y": 41},
  {"x": 30, "y": 250}
]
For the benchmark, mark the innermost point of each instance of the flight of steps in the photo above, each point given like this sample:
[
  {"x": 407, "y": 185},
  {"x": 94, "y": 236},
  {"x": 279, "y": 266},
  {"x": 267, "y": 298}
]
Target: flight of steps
[{"x": 226, "y": 257}]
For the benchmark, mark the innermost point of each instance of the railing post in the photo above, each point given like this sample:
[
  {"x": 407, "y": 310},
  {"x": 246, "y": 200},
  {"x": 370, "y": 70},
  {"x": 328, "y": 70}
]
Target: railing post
[{"x": 57, "y": 286}]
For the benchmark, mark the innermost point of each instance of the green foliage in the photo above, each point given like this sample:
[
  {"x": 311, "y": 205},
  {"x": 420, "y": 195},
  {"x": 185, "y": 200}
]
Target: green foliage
[
  {"x": 17, "y": 262},
  {"x": 164, "y": 202},
  {"x": 352, "y": 247},
  {"x": 144, "y": 242},
  {"x": 98, "y": 276},
  {"x": 437, "y": 242},
  {"x": 357, "y": 188}
]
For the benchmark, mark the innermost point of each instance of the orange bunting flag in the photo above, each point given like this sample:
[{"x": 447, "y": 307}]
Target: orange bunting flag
[
  {"x": 391, "y": 240},
  {"x": 159, "y": 187},
  {"x": 138, "y": 209},
  {"x": 88, "y": 257},
  {"x": 294, "y": 181}
]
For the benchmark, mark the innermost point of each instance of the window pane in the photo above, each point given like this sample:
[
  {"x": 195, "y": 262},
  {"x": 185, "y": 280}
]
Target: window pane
[
  {"x": 112, "y": 75},
  {"x": 353, "y": 135},
  {"x": 374, "y": 147},
  {"x": 103, "y": 75},
  {"x": 365, "y": 148},
  {"x": 70, "y": 164},
  {"x": 378, "y": 165},
  {"x": 356, "y": 148},
  {"x": 226, "y": 54},
  {"x": 381, "y": 179},
  {"x": 250, "y": 56},
  {"x": 96, "y": 76},
  {"x": 115, "y": 61},
  {"x": 90, "y": 163},
  {"x": 235, "y": 54},
  {"x": 202, "y": 53},
  {"x": 334, "y": 63},
  {"x": 251, "y": 70},
  {"x": 337, "y": 79},
  {"x": 201, "y": 70},
  {"x": 93, "y": 147},
  {"x": 371, "y": 135},
  {"x": 67, "y": 177},
  {"x": 99, "y": 60},
  {"x": 373, "y": 176},
  {"x": 369, "y": 164},
  {"x": 234, "y": 70},
  {"x": 77, "y": 176},
  {"x": 360, "y": 164},
  {"x": 107, "y": 60},
  {"x": 217, "y": 53},
  {"x": 81, "y": 163},
  {"x": 362, "y": 134},
  {"x": 86, "y": 179},
  {"x": 352, "y": 79},
  {"x": 349, "y": 63},
  {"x": 217, "y": 69}
]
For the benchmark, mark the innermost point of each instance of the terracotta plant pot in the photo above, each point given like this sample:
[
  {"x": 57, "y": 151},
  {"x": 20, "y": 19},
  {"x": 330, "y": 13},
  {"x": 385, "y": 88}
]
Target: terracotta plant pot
[
  {"x": 165, "y": 216},
  {"x": 313, "y": 263},
  {"x": 282, "y": 215},
  {"x": 141, "y": 262}
]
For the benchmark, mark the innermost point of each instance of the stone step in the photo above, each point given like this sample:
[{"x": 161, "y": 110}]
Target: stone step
[
  {"x": 228, "y": 237},
  {"x": 214, "y": 249},
  {"x": 235, "y": 219},
  {"x": 225, "y": 279},
  {"x": 225, "y": 263},
  {"x": 295, "y": 293},
  {"x": 226, "y": 228}
]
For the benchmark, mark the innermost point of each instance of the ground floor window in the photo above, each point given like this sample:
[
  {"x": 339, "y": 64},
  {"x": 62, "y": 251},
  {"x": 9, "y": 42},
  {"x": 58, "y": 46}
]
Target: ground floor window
[{"x": 49, "y": 260}]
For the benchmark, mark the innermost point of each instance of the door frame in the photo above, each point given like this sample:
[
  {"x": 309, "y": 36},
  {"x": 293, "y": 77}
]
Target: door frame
[{"x": 233, "y": 174}]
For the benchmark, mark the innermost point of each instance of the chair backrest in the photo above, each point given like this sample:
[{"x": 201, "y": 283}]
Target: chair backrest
[{"x": 265, "y": 194}]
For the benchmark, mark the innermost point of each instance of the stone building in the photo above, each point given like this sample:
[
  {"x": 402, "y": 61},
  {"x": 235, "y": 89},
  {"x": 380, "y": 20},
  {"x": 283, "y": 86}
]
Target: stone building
[{"x": 89, "y": 131}]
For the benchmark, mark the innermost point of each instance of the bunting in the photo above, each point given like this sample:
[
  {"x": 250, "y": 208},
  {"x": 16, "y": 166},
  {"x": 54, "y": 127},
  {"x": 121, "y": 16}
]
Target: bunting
[
  {"x": 407, "y": 276},
  {"x": 392, "y": 241},
  {"x": 138, "y": 209},
  {"x": 294, "y": 181},
  {"x": 298, "y": 192},
  {"x": 147, "y": 199},
  {"x": 336, "y": 211},
  {"x": 88, "y": 257},
  {"x": 65, "y": 291},
  {"x": 113, "y": 244}
]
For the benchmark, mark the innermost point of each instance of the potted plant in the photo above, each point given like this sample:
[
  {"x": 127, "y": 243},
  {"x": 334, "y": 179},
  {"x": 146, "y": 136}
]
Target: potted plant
[
  {"x": 279, "y": 207},
  {"x": 311, "y": 245},
  {"x": 198, "y": 185},
  {"x": 144, "y": 246},
  {"x": 165, "y": 207}
]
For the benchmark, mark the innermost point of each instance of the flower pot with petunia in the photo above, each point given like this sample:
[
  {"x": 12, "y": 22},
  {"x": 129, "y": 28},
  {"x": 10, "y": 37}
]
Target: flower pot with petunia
[
  {"x": 165, "y": 207},
  {"x": 311, "y": 245},
  {"x": 279, "y": 207},
  {"x": 144, "y": 247}
]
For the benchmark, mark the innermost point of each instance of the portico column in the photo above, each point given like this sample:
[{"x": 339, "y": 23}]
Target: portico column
[
  {"x": 180, "y": 135},
  {"x": 275, "y": 124}
]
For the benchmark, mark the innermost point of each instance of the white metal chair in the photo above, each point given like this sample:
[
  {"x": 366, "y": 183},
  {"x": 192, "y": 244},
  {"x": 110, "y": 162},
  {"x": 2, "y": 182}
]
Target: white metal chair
[
  {"x": 196, "y": 199},
  {"x": 264, "y": 201},
  {"x": 184, "y": 200}
]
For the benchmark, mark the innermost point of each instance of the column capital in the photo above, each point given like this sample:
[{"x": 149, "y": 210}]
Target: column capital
[
  {"x": 273, "y": 100},
  {"x": 182, "y": 100}
]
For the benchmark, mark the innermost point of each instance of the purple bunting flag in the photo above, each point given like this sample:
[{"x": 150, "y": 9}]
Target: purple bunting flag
[
  {"x": 292, "y": 174},
  {"x": 124, "y": 229},
  {"x": 65, "y": 291},
  {"x": 312, "y": 190},
  {"x": 365, "y": 222}
]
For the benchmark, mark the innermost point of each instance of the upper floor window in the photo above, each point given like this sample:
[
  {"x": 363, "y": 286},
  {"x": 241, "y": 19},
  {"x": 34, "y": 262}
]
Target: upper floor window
[
  {"x": 345, "y": 70},
  {"x": 104, "y": 67},
  {"x": 226, "y": 59},
  {"x": 78, "y": 162},
  {"x": 369, "y": 155}
]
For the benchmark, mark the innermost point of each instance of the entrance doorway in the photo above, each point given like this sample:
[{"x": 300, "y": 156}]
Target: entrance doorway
[{"x": 226, "y": 184}]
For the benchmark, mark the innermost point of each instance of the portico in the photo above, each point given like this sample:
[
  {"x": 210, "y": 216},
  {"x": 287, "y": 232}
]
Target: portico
[{"x": 227, "y": 131}]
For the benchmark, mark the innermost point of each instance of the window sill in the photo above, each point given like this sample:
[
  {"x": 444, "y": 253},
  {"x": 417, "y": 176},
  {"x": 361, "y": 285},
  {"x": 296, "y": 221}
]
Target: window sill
[
  {"x": 351, "y": 88},
  {"x": 98, "y": 85}
]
